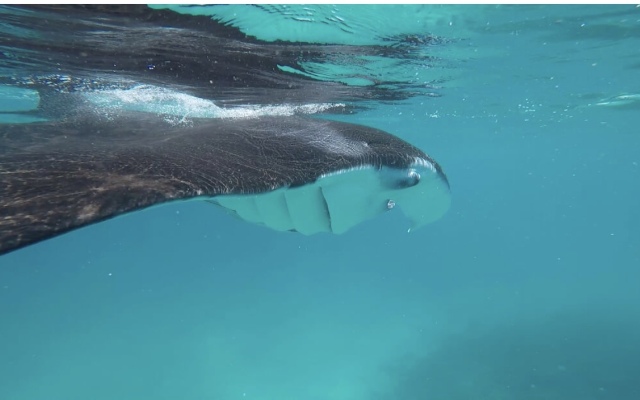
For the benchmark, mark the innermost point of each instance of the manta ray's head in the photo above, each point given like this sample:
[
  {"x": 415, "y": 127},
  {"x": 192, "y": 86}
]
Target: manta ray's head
[
  {"x": 372, "y": 172},
  {"x": 420, "y": 190}
]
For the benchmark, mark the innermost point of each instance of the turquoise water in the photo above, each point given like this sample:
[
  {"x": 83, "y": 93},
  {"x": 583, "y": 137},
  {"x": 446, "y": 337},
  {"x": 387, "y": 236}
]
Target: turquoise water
[{"x": 526, "y": 289}]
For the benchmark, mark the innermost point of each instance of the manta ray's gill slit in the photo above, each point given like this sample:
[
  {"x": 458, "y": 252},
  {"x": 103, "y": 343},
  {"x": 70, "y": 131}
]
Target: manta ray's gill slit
[{"x": 327, "y": 209}]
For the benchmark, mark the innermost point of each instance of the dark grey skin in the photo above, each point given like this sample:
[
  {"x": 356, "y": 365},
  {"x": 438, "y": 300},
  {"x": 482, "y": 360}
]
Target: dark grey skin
[{"x": 59, "y": 176}]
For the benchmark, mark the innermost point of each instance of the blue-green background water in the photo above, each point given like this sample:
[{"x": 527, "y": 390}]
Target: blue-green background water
[{"x": 527, "y": 289}]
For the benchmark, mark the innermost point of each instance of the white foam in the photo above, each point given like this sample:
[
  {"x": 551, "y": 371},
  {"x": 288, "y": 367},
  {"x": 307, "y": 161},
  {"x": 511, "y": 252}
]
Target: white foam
[
  {"x": 157, "y": 100},
  {"x": 152, "y": 99},
  {"x": 277, "y": 110}
]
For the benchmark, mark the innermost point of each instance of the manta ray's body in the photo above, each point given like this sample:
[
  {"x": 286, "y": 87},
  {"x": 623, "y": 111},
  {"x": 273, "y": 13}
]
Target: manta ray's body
[{"x": 289, "y": 173}]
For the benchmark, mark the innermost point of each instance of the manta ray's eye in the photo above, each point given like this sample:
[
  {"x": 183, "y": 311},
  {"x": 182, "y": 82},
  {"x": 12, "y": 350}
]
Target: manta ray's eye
[{"x": 412, "y": 178}]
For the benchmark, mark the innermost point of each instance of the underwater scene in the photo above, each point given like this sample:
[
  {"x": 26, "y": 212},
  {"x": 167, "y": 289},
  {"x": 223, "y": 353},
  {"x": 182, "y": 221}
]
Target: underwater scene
[{"x": 320, "y": 202}]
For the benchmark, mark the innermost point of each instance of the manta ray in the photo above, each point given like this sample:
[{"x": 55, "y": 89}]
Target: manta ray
[{"x": 289, "y": 173}]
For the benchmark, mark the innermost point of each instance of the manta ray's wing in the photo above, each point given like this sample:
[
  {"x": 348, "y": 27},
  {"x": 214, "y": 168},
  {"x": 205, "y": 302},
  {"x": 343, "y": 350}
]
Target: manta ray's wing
[{"x": 58, "y": 176}]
